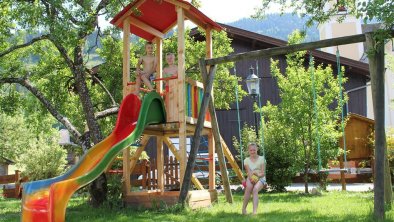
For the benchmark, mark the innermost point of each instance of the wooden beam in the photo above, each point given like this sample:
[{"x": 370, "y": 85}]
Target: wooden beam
[
  {"x": 179, "y": 4},
  {"x": 129, "y": 12},
  {"x": 142, "y": 25},
  {"x": 266, "y": 53},
  {"x": 137, "y": 154},
  {"x": 195, "y": 20},
  {"x": 376, "y": 68},
  {"x": 160, "y": 164},
  {"x": 217, "y": 138},
  {"x": 173, "y": 149},
  {"x": 197, "y": 134},
  {"x": 212, "y": 162},
  {"x": 233, "y": 163},
  {"x": 159, "y": 68},
  {"x": 180, "y": 89},
  {"x": 126, "y": 57}
]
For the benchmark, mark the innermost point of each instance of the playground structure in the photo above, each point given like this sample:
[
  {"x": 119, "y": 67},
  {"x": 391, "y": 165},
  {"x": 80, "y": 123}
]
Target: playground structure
[{"x": 151, "y": 20}]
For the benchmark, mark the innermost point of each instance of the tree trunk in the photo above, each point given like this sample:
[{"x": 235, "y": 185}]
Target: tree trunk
[
  {"x": 376, "y": 67},
  {"x": 388, "y": 192},
  {"x": 306, "y": 178},
  {"x": 98, "y": 191},
  {"x": 98, "y": 188}
]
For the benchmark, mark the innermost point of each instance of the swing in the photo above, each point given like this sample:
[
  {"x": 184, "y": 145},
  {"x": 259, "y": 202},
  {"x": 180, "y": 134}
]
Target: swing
[
  {"x": 239, "y": 130},
  {"x": 339, "y": 73}
]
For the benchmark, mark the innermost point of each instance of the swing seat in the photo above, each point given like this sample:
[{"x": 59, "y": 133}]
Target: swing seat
[{"x": 334, "y": 170}]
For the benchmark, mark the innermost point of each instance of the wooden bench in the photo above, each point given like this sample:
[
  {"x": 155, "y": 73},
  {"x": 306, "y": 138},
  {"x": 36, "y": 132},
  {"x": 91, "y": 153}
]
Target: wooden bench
[{"x": 12, "y": 185}]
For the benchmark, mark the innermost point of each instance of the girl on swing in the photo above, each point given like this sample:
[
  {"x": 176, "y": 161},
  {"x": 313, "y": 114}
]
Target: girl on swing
[{"x": 255, "y": 169}]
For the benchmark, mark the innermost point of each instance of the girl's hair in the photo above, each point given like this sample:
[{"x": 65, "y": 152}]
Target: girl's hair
[{"x": 253, "y": 144}]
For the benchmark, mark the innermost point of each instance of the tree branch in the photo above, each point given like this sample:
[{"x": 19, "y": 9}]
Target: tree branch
[
  {"x": 101, "y": 5},
  {"x": 52, "y": 110},
  {"x": 63, "y": 53},
  {"x": 94, "y": 78},
  {"x": 107, "y": 112},
  {"x": 15, "y": 47}
]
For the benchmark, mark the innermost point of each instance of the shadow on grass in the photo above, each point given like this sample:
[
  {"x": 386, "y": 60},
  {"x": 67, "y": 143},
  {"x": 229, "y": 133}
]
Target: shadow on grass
[{"x": 303, "y": 215}]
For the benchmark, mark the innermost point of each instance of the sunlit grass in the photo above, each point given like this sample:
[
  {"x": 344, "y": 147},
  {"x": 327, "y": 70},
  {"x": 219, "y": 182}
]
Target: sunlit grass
[{"x": 332, "y": 206}]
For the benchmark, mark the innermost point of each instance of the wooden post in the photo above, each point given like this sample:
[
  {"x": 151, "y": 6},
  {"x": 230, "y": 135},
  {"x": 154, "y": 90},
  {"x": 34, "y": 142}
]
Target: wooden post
[
  {"x": 126, "y": 79},
  {"x": 126, "y": 55},
  {"x": 159, "y": 68},
  {"x": 208, "y": 43},
  {"x": 180, "y": 87},
  {"x": 197, "y": 133},
  {"x": 219, "y": 148},
  {"x": 376, "y": 67},
  {"x": 17, "y": 183},
  {"x": 160, "y": 164},
  {"x": 211, "y": 143},
  {"x": 212, "y": 164},
  {"x": 343, "y": 181}
]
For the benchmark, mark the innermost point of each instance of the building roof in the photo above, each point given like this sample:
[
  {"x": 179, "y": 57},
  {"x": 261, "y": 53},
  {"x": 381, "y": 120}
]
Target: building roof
[
  {"x": 149, "y": 18},
  {"x": 6, "y": 161},
  {"x": 361, "y": 118},
  {"x": 355, "y": 66}
]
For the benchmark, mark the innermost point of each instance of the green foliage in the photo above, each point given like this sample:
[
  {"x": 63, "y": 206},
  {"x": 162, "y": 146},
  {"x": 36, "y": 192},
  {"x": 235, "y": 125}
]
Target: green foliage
[
  {"x": 282, "y": 164},
  {"x": 114, "y": 195},
  {"x": 291, "y": 127},
  {"x": 13, "y": 144},
  {"x": 44, "y": 158},
  {"x": 248, "y": 134},
  {"x": 224, "y": 82}
]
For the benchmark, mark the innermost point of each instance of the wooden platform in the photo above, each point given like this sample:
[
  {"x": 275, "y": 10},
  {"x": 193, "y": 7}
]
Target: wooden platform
[
  {"x": 172, "y": 128},
  {"x": 152, "y": 199}
]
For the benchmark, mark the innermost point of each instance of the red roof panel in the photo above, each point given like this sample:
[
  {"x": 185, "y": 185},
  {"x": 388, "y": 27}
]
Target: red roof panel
[{"x": 160, "y": 15}]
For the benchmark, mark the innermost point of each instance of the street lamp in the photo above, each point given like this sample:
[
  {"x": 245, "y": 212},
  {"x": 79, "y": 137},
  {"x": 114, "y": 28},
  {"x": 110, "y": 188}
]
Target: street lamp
[{"x": 253, "y": 84}]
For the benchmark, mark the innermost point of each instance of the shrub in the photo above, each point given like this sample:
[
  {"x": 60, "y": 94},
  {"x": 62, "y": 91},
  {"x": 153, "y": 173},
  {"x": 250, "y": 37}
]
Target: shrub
[{"x": 44, "y": 159}]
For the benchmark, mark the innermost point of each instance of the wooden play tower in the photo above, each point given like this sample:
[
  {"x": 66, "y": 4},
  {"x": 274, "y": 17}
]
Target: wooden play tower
[{"x": 151, "y": 20}]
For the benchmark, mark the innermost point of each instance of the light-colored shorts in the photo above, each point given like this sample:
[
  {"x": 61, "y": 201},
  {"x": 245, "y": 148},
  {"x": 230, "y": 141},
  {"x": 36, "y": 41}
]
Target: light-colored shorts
[{"x": 263, "y": 180}]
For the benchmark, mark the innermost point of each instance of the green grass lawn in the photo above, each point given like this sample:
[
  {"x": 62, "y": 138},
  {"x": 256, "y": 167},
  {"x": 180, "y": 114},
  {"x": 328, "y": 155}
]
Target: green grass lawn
[{"x": 332, "y": 206}]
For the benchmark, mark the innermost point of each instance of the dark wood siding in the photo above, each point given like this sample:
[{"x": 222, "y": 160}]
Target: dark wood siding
[{"x": 269, "y": 91}]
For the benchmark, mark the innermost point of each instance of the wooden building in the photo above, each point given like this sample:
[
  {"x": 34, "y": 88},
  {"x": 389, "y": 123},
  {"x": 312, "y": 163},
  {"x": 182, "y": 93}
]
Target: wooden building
[
  {"x": 4, "y": 164},
  {"x": 244, "y": 41}
]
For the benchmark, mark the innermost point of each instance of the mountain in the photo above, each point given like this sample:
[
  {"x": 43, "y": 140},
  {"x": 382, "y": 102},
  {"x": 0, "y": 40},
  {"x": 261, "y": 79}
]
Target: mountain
[{"x": 278, "y": 26}]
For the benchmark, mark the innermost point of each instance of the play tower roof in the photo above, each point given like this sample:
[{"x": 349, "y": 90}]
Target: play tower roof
[{"x": 154, "y": 18}]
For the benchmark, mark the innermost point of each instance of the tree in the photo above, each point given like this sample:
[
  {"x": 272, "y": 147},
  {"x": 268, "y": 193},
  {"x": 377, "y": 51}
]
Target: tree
[
  {"x": 296, "y": 115},
  {"x": 60, "y": 81}
]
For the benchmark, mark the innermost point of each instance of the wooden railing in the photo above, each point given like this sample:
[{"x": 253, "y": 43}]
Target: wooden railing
[
  {"x": 194, "y": 92},
  {"x": 144, "y": 175},
  {"x": 12, "y": 185}
]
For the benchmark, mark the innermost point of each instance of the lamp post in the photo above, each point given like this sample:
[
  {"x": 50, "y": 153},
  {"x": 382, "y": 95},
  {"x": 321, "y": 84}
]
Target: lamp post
[{"x": 253, "y": 84}]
